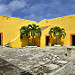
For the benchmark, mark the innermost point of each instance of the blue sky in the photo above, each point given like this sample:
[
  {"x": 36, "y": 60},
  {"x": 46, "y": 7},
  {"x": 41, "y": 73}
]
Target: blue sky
[{"x": 37, "y": 10}]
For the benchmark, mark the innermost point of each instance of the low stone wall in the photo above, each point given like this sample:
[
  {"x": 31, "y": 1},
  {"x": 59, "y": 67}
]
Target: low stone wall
[{"x": 71, "y": 51}]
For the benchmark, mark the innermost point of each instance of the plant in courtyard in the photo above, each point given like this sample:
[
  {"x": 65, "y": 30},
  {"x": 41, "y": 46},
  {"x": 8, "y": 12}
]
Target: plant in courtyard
[
  {"x": 35, "y": 29},
  {"x": 57, "y": 32},
  {"x": 25, "y": 30},
  {"x": 30, "y": 30}
]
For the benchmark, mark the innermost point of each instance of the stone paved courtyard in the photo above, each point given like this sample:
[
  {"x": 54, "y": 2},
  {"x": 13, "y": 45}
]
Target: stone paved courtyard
[{"x": 36, "y": 61}]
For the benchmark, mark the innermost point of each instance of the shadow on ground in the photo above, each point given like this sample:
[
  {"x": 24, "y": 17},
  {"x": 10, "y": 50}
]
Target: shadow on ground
[{"x": 9, "y": 69}]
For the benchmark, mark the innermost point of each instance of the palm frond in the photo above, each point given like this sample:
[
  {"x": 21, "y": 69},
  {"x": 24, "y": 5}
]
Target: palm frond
[{"x": 57, "y": 31}]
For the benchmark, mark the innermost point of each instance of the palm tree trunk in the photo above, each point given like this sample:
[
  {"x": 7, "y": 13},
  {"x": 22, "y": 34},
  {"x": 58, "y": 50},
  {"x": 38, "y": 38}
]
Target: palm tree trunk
[
  {"x": 56, "y": 40},
  {"x": 33, "y": 40},
  {"x": 28, "y": 40}
]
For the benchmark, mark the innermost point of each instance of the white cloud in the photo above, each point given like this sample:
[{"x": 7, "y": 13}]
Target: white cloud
[
  {"x": 8, "y": 9},
  {"x": 16, "y": 4},
  {"x": 0, "y": 1},
  {"x": 38, "y": 10},
  {"x": 3, "y": 8},
  {"x": 34, "y": 17},
  {"x": 37, "y": 7},
  {"x": 41, "y": 7}
]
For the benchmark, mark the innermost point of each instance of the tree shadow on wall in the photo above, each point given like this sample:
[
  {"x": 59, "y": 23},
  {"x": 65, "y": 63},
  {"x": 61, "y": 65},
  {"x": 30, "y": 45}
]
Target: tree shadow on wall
[
  {"x": 53, "y": 41},
  {"x": 37, "y": 41},
  {"x": 24, "y": 41},
  {"x": 61, "y": 42}
]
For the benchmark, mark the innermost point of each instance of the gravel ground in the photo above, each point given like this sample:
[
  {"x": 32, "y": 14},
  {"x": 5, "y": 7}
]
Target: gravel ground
[{"x": 37, "y": 61}]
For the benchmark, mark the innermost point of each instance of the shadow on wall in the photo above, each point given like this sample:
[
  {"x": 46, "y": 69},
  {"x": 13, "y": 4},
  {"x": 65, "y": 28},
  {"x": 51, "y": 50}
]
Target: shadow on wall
[
  {"x": 61, "y": 42},
  {"x": 53, "y": 41},
  {"x": 24, "y": 41},
  {"x": 37, "y": 41}
]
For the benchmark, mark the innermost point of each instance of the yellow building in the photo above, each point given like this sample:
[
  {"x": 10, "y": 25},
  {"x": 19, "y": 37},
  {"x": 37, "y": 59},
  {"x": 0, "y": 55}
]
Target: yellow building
[
  {"x": 10, "y": 31},
  {"x": 66, "y": 22}
]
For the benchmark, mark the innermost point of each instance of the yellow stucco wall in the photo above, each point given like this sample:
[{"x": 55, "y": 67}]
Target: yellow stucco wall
[
  {"x": 66, "y": 22},
  {"x": 19, "y": 42},
  {"x": 11, "y": 29}
]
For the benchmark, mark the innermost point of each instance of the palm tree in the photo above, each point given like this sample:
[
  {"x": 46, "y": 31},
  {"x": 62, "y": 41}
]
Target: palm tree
[
  {"x": 57, "y": 32},
  {"x": 25, "y": 30},
  {"x": 35, "y": 29}
]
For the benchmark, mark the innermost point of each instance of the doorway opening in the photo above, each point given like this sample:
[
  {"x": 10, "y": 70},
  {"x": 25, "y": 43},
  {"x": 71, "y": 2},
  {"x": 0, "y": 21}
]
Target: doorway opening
[
  {"x": 47, "y": 40},
  {"x": 73, "y": 40}
]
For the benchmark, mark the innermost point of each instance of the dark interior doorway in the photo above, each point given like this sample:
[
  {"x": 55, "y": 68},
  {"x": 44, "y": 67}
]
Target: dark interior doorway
[
  {"x": 0, "y": 39},
  {"x": 73, "y": 40},
  {"x": 47, "y": 40}
]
